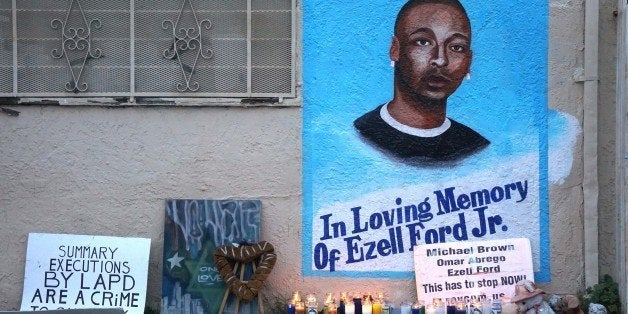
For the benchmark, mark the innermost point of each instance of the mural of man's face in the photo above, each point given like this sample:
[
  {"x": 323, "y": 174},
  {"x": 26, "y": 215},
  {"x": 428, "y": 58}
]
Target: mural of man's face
[{"x": 432, "y": 50}]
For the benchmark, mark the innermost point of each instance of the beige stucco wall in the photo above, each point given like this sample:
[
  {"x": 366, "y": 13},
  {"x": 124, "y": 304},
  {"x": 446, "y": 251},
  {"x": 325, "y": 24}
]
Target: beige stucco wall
[
  {"x": 106, "y": 171},
  {"x": 566, "y": 95},
  {"x": 606, "y": 140}
]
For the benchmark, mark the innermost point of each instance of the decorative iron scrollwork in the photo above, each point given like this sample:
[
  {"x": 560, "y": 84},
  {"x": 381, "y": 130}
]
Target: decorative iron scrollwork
[
  {"x": 187, "y": 39},
  {"x": 76, "y": 39}
]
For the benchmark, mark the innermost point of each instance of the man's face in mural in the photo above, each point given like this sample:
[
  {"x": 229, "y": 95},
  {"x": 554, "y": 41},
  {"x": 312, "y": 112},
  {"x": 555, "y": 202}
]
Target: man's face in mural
[{"x": 431, "y": 48}]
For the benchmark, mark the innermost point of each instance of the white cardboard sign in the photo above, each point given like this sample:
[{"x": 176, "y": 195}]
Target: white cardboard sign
[
  {"x": 471, "y": 270},
  {"x": 66, "y": 271}
]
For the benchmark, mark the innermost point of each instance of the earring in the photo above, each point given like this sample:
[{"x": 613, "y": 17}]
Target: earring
[
  {"x": 392, "y": 63},
  {"x": 468, "y": 76}
]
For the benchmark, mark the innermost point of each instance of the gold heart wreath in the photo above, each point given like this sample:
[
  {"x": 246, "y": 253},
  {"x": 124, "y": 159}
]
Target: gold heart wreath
[{"x": 245, "y": 290}]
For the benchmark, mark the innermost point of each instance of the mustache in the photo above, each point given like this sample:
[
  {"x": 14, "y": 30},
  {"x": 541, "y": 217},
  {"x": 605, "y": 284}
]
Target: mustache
[{"x": 438, "y": 74}]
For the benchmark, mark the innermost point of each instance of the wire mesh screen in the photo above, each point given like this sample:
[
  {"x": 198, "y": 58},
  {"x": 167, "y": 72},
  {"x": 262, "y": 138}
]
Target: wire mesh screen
[
  {"x": 173, "y": 48},
  {"x": 191, "y": 46},
  {"x": 271, "y": 33},
  {"x": 73, "y": 47},
  {"x": 6, "y": 47}
]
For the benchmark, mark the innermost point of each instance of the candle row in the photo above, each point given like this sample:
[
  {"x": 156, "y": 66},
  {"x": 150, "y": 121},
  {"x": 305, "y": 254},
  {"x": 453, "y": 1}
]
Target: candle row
[
  {"x": 453, "y": 306},
  {"x": 348, "y": 304},
  {"x": 366, "y": 304}
]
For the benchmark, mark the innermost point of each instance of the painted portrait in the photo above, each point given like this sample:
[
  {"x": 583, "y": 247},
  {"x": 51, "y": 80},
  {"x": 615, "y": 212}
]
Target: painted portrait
[
  {"x": 424, "y": 121},
  {"x": 431, "y": 54}
]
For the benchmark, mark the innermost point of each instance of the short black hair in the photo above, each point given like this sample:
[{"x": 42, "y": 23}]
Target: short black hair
[{"x": 413, "y": 3}]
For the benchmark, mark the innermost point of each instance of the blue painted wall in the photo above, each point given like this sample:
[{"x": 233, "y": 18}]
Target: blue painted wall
[{"x": 346, "y": 72}]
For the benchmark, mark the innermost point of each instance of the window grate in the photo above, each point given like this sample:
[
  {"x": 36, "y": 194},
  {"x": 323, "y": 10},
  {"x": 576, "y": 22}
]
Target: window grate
[
  {"x": 6, "y": 47},
  {"x": 147, "y": 48}
]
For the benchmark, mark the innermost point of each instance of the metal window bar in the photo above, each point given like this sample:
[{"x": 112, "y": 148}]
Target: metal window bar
[
  {"x": 132, "y": 51},
  {"x": 14, "y": 43},
  {"x": 249, "y": 49},
  {"x": 269, "y": 61}
]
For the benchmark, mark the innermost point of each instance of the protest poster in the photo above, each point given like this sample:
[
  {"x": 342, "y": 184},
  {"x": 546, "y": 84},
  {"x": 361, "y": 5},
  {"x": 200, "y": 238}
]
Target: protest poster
[
  {"x": 65, "y": 271},
  {"x": 472, "y": 270}
]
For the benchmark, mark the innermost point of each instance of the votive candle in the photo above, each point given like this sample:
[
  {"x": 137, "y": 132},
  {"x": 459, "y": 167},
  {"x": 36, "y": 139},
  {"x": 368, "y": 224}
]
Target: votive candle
[
  {"x": 329, "y": 300},
  {"x": 349, "y": 307},
  {"x": 461, "y": 308},
  {"x": 377, "y": 307},
  {"x": 331, "y": 308},
  {"x": 439, "y": 306},
  {"x": 386, "y": 308},
  {"x": 311, "y": 304},
  {"x": 343, "y": 299},
  {"x": 486, "y": 306},
  {"x": 367, "y": 308},
  {"x": 451, "y": 306},
  {"x": 405, "y": 309},
  {"x": 442, "y": 309},
  {"x": 291, "y": 309},
  {"x": 300, "y": 307},
  {"x": 357, "y": 301},
  {"x": 420, "y": 305},
  {"x": 416, "y": 308},
  {"x": 430, "y": 309}
]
